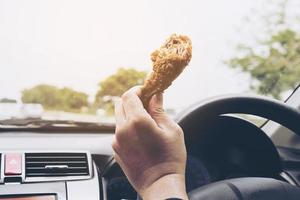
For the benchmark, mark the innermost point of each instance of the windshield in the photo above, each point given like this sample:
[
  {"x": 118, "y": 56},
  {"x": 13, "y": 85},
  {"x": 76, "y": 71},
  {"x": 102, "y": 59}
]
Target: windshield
[{"x": 69, "y": 60}]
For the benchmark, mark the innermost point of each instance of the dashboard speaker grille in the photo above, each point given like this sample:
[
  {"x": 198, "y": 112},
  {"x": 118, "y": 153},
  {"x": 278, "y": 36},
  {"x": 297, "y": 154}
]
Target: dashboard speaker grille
[{"x": 56, "y": 164}]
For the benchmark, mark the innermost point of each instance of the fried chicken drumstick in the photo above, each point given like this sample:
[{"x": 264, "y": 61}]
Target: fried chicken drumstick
[{"x": 168, "y": 62}]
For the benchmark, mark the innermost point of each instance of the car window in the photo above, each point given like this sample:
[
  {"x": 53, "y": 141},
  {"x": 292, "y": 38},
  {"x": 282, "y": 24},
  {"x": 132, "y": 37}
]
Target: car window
[{"x": 65, "y": 59}]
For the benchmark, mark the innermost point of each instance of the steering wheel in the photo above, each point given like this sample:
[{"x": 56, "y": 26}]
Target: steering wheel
[{"x": 242, "y": 188}]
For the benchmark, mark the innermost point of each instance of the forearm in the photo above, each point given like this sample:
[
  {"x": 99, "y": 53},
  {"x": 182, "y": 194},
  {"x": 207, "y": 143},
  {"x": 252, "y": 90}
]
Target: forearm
[{"x": 169, "y": 186}]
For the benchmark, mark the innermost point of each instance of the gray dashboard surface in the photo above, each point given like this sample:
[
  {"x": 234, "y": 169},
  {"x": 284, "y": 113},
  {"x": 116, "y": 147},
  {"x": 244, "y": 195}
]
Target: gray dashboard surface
[
  {"x": 76, "y": 190},
  {"x": 95, "y": 143},
  {"x": 84, "y": 190},
  {"x": 57, "y": 188}
]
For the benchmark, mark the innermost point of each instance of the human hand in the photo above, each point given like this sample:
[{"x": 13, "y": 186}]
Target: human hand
[{"x": 149, "y": 147}]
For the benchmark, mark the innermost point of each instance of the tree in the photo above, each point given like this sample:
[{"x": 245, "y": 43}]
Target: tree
[
  {"x": 115, "y": 85},
  {"x": 73, "y": 100},
  {"x": 7, "y": 100},
  {"x": 274, "y": 63},
  {"x": 54, "y": 98}
]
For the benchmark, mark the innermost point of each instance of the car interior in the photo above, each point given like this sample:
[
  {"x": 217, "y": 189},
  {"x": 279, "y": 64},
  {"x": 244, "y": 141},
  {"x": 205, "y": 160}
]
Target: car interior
[
  {"x": 228, "y": 156},
  {"x": 63, "y": 65}
]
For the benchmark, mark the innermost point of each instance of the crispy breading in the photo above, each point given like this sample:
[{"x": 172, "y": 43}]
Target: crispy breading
[{"x": 168, "y": 62}]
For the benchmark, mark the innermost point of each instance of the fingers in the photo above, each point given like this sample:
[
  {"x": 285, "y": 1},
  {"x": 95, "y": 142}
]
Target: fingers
[
  {"x": 156, "y": 103},
  {"x": 131, "y": 102},
  {"x": 131, "y": 107},
  {"x": 119, "y": 113},
  {"x": 157, "y": 112}
]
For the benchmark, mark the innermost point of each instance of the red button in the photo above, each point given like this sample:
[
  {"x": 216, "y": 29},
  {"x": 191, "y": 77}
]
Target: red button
[{"x": 13, "y": 164}]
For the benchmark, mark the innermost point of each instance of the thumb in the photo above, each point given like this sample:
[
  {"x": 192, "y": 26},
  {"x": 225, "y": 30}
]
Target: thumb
[{"x": 157, "y": 112}]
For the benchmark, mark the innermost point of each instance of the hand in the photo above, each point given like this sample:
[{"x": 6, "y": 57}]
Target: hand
[{"x": 149, "y": 147}]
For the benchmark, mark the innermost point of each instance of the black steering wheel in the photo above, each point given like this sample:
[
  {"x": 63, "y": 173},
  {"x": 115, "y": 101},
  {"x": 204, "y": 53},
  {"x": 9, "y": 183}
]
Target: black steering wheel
[{"x": 242, "y": 188}]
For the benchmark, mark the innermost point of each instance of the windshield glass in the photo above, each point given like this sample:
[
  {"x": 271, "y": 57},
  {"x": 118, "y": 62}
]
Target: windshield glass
[{"x": 69, "y": 60}]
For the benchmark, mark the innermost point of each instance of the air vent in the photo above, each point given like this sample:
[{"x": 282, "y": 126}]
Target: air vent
[{"x": 56, "y": 164}]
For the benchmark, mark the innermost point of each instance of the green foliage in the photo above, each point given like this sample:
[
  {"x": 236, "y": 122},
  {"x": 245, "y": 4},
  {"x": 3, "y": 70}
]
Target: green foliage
[
  {"x": 274, "y": 63},
  {"x": 54, "y": 98},
  {"x": 278, "y": 68},
  {"x": 6, "y": 100},
  {"x": 115, "y": 85}
]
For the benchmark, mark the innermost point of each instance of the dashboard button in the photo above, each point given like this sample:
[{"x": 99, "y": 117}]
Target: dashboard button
[{"x": 13, "y": 164}]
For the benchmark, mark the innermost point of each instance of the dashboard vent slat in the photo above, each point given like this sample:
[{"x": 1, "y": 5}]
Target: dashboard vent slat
[{"x": 56, "y": 164}]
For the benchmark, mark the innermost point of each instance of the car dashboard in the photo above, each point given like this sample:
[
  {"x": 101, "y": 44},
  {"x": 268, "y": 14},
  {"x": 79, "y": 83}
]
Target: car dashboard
[
  {"x": 53, "y": 166},
  {"x": 77, "y": 166}
]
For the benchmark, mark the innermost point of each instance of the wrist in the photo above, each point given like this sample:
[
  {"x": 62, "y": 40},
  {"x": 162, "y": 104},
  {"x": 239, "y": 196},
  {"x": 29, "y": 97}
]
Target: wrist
[{"x": 168, "y": 186}]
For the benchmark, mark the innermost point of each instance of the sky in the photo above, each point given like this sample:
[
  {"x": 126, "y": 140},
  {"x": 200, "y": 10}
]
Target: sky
[{"x": 72, "y": 43}]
